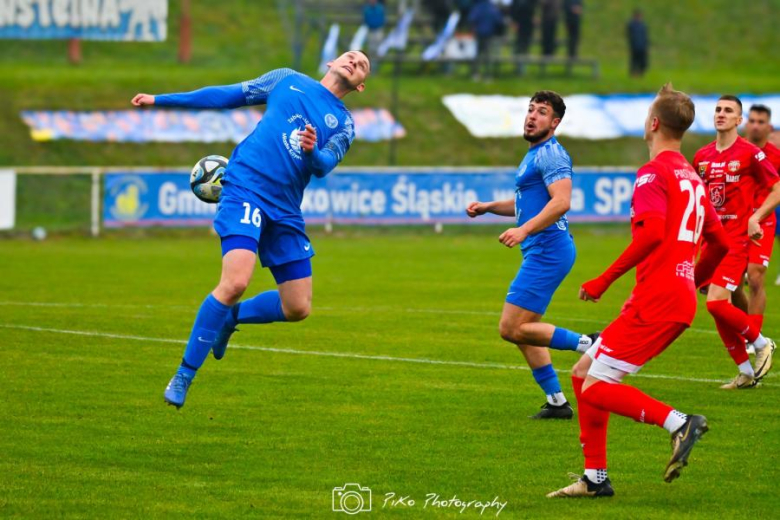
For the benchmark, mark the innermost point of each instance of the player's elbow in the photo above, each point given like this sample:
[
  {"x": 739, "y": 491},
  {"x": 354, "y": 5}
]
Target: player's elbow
[
  {"x": 654, "y": 241},
  {"x": 562, "y": 205}
]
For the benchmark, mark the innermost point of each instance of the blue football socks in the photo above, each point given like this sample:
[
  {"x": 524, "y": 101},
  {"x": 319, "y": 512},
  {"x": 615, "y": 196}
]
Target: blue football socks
[
  {"x": 547, "y": 378},
  {"x": 564, "y": 339},
  {"x": 264, "y": 308},
  {"x": 210, "y": 318}
]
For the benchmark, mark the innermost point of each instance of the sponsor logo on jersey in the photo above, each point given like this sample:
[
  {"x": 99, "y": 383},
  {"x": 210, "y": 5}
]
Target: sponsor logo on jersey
[
  {"x": 645, "y": 179},
  {"x": 717, "y": 193},
  {"x": 292, "y": 140},
  {"x": 732, "y": 178},
  {"x": 734, "y": 166},
  {"x": 703, "y": 168},
  {"x": 685, "y": 270},
  {"x": 760, "y": 156},
  {"x": 331, "y": 121},
  {"x": 292, "y": 87}
]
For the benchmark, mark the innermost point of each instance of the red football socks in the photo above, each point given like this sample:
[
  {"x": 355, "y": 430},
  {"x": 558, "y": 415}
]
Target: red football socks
[
  {"x": 733, "y": 342},
  {"x": 729, "y": 315},
  {"x": 757, "y": 320},
  {"x": 626, "y": 401},
  {"x": 593, "y": 429}
]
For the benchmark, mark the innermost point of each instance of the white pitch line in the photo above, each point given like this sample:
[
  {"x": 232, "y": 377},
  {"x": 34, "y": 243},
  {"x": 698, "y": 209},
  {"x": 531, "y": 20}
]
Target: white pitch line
[
  {"x": 349, "y": 355},
  {"x": 347, "y": 309}
]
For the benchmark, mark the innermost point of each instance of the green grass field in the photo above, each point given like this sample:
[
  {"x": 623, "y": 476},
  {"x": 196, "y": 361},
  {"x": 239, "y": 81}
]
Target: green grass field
[{"x": 398, "y": 381}]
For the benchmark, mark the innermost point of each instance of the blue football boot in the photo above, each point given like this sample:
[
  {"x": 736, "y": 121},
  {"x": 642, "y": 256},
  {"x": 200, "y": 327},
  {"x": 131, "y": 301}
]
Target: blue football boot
[{"x": 176, "y": 391}]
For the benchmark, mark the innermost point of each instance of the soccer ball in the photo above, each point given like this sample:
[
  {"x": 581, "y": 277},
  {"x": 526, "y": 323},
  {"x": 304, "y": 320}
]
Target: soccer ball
[{"x": 206, "y": 178}]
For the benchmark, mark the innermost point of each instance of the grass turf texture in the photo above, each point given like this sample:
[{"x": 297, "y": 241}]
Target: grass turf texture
[
  {"x": 269, "y": 434},
  {"x": 248, "y": 38}
]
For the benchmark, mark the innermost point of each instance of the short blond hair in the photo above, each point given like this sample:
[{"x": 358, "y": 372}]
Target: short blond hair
[{"x": 674, "y": 110}]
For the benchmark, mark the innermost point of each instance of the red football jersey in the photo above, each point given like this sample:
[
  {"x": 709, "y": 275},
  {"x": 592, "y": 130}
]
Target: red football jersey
[
  {"x": 732, "y": 177},
  {"x": 668, "y": 187},
  {"x": 773, "y": 156}
]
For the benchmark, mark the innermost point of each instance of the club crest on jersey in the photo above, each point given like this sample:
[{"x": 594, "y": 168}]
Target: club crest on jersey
[
  {"x": 331, "y": 121},
  {"x": 717, "y": 193},
  {"x": 734, "y": 166},
  {"x": 703, "y": 168},
  {"x": 760, "y": 156}
]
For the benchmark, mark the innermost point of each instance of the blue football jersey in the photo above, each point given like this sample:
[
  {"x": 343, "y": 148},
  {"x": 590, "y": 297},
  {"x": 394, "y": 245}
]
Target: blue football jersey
[
  {"x": 270, "y": 161},
  {"x": 543, "y": 165}
]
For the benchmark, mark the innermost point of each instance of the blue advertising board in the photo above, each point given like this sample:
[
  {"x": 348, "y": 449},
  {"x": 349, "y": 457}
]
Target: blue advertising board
[{"x": 367, "y": 197}]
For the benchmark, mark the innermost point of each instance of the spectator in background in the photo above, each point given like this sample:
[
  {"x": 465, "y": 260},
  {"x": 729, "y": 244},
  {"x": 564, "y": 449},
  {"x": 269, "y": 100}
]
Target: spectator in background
[
  {"x": 551, "y": 10},
  {"x": 374, "y": 19},
  {"x": 573, "y": 12},
  {"x": 638, "y": 43},
  {"x": 522, "y": 13},
  {"x": 487, "y": 22}
]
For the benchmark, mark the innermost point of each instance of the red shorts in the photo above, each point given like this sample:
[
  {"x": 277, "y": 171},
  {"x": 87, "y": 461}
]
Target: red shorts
[
  {"x": 731, "y": 270},
  {"x": 760, "y": 254},
  {"x": 628, "y": 342}
]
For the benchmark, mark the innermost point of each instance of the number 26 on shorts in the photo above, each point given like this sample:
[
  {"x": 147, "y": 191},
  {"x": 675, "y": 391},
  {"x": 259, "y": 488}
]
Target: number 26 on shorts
[{"x": 256, "y": 216}]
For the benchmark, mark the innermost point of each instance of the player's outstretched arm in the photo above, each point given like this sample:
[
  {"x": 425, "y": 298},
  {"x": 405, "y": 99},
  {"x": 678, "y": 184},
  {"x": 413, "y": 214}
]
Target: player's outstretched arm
[
  {"x": 142, "y": 100},
  {"x": 228, "y": 96},
  {"x": 252, "y": 92},
  {"x": 649, "y": 235},
  {"x": 504, "y": 208}
]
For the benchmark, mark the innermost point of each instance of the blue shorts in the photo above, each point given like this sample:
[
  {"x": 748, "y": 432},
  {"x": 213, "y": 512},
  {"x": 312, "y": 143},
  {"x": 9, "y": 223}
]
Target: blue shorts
[
  {"x": 543, "y": 269},
  {"x": 280, "y": 241}
]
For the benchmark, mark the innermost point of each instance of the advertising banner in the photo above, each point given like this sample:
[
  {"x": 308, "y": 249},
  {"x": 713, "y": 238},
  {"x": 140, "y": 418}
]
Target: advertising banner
[
  {"x": 123, "y": 20},
  {"x": 367, "y": 197}
]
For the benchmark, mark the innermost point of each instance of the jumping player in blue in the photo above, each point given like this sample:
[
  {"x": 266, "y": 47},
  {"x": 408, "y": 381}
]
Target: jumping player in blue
[
  {"x": 306, "y": 130},
  {"x": 542, "y": 198}
]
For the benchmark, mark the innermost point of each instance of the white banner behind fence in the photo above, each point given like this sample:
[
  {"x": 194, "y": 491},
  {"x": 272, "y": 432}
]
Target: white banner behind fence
[
  {"x": 587, "y": 116},
  {"x": 7, "y": 199}
]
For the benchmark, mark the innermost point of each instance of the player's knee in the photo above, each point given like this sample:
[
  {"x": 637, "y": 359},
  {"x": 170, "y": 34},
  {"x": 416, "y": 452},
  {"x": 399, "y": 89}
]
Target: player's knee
[
  {"x": 233, "y": 287},
  {"x": 296, "y": 311},
  {"x": 755, "y": 277},
  {"x": 581, "y": 367},
  {"x": 508, "y": 332}
]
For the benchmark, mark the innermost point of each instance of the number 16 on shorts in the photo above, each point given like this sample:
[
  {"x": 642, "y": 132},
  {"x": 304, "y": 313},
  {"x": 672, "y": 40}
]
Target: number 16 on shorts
[{"x": 256, "y": 217}]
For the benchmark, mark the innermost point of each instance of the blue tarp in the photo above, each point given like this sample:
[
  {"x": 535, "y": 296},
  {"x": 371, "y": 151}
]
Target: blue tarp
[{"x": 208, "y": 126}]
